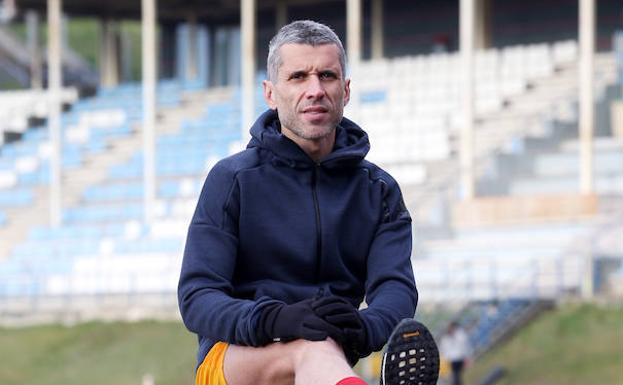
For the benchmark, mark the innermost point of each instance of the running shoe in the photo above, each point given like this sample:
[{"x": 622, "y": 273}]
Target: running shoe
[{"x": 411, "y": 356}]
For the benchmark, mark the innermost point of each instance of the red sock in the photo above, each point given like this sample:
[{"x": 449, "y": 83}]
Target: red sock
[{"x": 352, "y": 381}]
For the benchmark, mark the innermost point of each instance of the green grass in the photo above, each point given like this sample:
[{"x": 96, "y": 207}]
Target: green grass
[
  {"x": 97, "y": 354},
  {"x": 83, "y": 36},
  {"x": 573, "y": 345}
]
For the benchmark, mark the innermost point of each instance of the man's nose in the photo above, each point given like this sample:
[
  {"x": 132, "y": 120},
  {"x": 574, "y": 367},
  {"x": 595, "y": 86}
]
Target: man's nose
[{"x": 315, "y": 88}]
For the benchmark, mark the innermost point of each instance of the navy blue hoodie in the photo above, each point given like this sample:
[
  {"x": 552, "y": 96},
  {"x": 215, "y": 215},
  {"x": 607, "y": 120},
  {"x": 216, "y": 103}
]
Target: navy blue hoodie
[{"x": 273, "y": 225}]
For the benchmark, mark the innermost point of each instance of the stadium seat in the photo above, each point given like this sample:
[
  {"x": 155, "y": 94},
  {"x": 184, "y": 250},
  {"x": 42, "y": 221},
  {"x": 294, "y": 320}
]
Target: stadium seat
[
  {"x": 409, "y": 109},
  {"x": 15, "y": 197}
]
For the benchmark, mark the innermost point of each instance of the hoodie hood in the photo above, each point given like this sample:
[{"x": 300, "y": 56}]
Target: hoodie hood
[{"x": 350, "y": 148}]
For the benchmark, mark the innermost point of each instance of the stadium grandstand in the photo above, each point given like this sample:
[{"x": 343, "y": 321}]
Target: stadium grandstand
[{"x": 501, "y": 120}]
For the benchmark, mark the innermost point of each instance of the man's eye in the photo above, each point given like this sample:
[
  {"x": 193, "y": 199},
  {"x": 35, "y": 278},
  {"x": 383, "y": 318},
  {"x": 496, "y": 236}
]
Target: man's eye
[
  {"x": 327, "y": 75},
  {"x": 297, "y": 75}
]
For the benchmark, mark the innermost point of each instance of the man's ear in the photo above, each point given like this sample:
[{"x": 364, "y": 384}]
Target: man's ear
[
  {"x": 269, "y": 95},
  {"x": 346, "y": 91}
]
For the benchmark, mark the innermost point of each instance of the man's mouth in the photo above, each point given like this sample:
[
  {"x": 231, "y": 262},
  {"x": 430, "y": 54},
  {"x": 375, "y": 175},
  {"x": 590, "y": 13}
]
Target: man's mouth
[{"x": 313, "y": 110}]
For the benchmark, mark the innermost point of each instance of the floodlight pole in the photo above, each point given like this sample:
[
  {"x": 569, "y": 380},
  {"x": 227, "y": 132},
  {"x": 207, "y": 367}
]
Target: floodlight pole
[
  {"x": 467, "y": 17},
  {"x": 377, "y": 29},
  {"x": 587, "y": 104},
  {"x": 587, "y": 122},
  {"x": 148, "y": 8},
  {"x": 247, "y": 18},
  {"x": 55, "y": 79},
  {"x": 192, "y": 71},
  {"x": 32, "y": 26},
  {"x": 353, "y": 46},
  {"x": 109, "y": 53},
  {"x": 281, "y": 14}
]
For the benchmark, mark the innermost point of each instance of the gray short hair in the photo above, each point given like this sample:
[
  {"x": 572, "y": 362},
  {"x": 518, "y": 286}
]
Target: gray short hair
[{"x": 301, "y": 32}]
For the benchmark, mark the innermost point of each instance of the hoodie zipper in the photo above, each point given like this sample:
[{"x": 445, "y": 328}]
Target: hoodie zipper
[{"x": 318, "y": 225}]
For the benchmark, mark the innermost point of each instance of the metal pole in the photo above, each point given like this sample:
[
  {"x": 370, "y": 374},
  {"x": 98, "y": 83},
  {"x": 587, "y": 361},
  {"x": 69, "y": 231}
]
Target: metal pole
[
  {"x": 126, "y": 48},
  {"x": 482, "y": 24},
  {"x": 588, "y": 282},
  {"x": 353, "y": 46},
  {"x": 113, "y": 52},
  {"x": 36, "y": 67},
  {"x": 191, "y": 63},
  {"x": 55, "y": 80},
  {"x": 247, "y": 30},
  {"x": 108, "y": 54},
  {"x": 467, "y": 91},
  {"x": 281, "y": 14},
  {"x": 149, "y": 107},
  {"x": 377, "y": 29},
  {"x": 103, "y": 53},
  {"x": 587, "y": 106}
]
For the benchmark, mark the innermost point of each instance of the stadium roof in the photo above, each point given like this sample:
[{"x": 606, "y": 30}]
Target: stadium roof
[{"x": 206, "y": 10}]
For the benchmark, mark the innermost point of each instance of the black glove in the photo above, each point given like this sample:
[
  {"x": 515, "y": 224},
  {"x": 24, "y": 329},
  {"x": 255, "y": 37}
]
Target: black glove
[
  {"x": 280, "y": 322},
  {"x": 342, "y": 314}
]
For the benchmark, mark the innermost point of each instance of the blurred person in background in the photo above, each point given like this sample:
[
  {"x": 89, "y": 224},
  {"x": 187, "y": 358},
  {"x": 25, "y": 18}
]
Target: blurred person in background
[
  {"x": 455, "y": 348},
  {"x": 291, "y": 234}
]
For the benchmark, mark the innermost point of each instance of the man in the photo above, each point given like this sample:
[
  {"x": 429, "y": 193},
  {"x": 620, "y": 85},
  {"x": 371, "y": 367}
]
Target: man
[
  {"x": 454, "y": 347},
  {"x": 291, "y": 234}
]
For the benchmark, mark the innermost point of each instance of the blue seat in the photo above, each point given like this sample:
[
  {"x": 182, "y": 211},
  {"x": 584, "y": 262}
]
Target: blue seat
[
  {"x": 39, "y": 250},
  {"x": 112, "y": 192},
  {"x": 488, "y": 323},
  {"x": 166, "y": 245},
  {"x": 133, "y": 168},
  {"x": 21, "y": 148},
  {"x": 22, "y": 285},
  {"x": 87, "y": 232},
  {"x": 16, "y": 197},
  {"x": 373, "y": 97},
  {"x": 169, "y": 189},
  {"x": 36, "y": 177},
  {"x": 104, "y": 213},
  {"x": 99, "y": 133},
  {"x": 36, "y": 134},
  {"x": 6, "y": 163}
]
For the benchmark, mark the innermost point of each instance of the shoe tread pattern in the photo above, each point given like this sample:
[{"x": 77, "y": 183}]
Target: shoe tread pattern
[{"x": 411, "y": 356}]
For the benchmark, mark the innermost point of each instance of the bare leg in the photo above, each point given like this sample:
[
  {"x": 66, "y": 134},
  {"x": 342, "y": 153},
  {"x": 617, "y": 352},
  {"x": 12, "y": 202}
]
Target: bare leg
[
  {"x": 322, "y": 363},
  {"x": 298, "y": 362}
]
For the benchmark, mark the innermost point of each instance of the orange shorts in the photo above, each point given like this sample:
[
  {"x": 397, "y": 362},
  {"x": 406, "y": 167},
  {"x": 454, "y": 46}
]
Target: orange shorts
[{"x": 210, "y": 372}]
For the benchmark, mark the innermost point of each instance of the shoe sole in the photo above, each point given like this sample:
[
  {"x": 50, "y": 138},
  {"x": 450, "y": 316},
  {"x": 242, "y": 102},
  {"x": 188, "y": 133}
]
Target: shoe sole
[{"x": 411, "y": 356}]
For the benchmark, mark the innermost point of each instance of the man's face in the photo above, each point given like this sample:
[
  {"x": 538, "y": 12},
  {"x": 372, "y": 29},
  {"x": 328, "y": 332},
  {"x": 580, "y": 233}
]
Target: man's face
[{"x": 310, "y": 92}]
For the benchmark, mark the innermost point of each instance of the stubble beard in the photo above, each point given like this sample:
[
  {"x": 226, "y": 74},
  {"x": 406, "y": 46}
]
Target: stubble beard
[{"x": 297, "y": 126}]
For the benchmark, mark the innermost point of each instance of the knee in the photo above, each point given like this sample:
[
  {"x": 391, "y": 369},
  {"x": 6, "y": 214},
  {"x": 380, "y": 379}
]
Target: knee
[
  {"x": 279, "y": 370},
  {"x": 287, "y": 359},
  {"x": 306, "y": 351},
  {"x": 298, "y": 356}
]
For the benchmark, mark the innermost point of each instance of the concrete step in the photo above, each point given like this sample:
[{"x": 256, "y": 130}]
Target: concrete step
[
  {"x": 604, "y": 184},
  {"x": 567, "y": 164}
]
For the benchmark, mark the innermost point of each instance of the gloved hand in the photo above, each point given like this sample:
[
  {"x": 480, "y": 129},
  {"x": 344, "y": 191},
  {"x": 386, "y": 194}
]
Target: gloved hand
[
  {"x": 342, "y": 314},
  {"x": 281, "y": 322}
]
